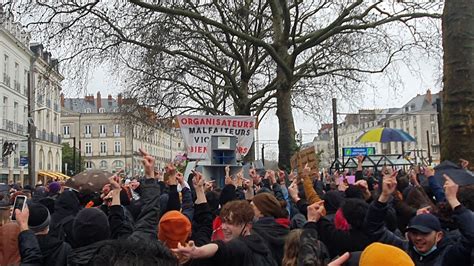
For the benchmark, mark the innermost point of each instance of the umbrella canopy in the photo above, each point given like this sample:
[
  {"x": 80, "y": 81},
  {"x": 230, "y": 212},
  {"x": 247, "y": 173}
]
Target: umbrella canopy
[
  {"x": 385, "y": 134},
  {"x": 89, "y": 180},
  {"x": 459, "y": 175}
]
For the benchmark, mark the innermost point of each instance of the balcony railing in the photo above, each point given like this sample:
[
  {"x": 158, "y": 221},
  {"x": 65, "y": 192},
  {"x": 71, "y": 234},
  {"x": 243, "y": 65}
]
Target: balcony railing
[
  {"x": 20, "y": 129},
  {"x": 8, "y": 125}
]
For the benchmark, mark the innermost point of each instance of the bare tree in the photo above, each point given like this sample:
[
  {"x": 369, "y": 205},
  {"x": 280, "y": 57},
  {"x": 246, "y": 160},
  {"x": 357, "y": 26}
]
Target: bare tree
[
  {"x": 257, "y": 54},
  {"x": 458, "y": 93}
]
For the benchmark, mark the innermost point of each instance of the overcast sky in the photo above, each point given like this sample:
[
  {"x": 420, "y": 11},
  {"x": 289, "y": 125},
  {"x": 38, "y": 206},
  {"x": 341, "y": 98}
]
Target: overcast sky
[{"x": 383, "y": 96}]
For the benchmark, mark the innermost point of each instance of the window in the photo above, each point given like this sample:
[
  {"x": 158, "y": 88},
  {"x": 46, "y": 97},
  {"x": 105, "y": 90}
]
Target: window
[
  {"x": 89, "y": 165},
  {"x": 118, "y": 147},
  {"x": 25, "y": 82},
  {"x": 101, "y": 110},
  {"x": 102, "y": 130},
  {"x": 116, "y": 128},
  {"x": 88, "y": 146},
  {"x": 103, "y": 164},
  {"x": 65, "y": 130},
  {"x": 87, "y": 130},
  {"x": 5, "y": 67},
  {"x": 87, "y": 110},
  {"x": 15, "y": 112},
  {"x": 5, "y": 107},
  {"x": 103, "y": 147}
]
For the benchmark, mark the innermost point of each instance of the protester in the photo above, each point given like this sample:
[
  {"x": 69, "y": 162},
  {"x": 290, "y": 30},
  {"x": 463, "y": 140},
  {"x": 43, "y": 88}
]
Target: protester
[
  {"x": 268, "y": 219},
  {"x": 426, "y": 244}
]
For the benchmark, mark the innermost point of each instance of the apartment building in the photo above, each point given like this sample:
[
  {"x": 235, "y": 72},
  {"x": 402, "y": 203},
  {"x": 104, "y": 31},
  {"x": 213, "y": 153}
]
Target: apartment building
[
  {"x": 418, "y": 117},
  {"x": 29, "y": 78},
  {"x": 108, "y": 141}
]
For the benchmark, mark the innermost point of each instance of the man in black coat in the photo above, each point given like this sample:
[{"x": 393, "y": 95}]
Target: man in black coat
[
  {"x": 427, "y": 244},
  {"x": 54, "y": 251}
]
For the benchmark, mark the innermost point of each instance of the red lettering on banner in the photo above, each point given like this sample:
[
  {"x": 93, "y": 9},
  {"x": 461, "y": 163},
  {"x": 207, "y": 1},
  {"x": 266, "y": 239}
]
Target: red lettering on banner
[{"x": 197, "y": 149}]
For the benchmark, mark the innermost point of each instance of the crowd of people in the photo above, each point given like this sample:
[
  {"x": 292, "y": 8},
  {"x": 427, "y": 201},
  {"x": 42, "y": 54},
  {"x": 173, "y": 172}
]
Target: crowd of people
[{"x": 270, "y": 218}]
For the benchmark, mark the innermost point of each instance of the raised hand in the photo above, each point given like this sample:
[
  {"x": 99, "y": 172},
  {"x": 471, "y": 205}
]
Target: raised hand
[
  {"x": 148, "y": 163},
  {"x": 451, "y": 191},
  {"x": 115, "y": 182},
  {"x": 316, "y": 211},
  {"x": 293, "y": 191},
  {"x": 21, "y": 217},
  {"x": 271, "y": 176},
  {"x": 389, "y": 185}
]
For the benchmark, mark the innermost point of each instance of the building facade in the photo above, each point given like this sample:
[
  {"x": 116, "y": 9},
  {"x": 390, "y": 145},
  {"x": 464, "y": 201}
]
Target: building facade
[
  {"x": 45, "y": 114},
  {"x": 29, "y": 96},
  {"x": 109, "y": 142},
  {"x": 418, "y": 117}
]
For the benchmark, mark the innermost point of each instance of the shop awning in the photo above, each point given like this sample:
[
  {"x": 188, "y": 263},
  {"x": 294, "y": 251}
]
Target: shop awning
[{"x": 53, "y": 175}]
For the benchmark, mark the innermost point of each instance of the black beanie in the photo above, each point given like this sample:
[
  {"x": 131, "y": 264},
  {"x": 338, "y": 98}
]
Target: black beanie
[
  {"x": 39, "y": 217},
  {"x": 90, "y": 225}
]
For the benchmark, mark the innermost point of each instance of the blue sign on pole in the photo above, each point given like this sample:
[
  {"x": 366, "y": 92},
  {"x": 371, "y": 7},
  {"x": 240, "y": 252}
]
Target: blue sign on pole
[
  {"x": 23, "y": 161},
  {"x": 354, "y": 151}
]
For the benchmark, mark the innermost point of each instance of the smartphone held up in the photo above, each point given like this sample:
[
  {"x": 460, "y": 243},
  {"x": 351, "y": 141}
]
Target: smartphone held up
[{"x": 20, "y": 203}]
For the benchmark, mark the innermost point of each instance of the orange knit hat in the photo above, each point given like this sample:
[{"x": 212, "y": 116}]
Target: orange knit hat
[
  {"x": 382, "y": 254},
  {"x": 174, "y": 228}
]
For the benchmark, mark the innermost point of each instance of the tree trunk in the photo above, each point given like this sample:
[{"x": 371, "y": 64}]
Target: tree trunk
[
  {"x": 286, "y": 135},
  {"x": 243, "y": 108},
  {"x": 458, "y": 93}
]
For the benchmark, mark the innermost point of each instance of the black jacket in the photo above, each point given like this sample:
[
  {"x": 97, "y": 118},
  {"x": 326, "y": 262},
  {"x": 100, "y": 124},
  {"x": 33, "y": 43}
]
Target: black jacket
[
  {"x": 145, "y": 227},
  {"x": 202, "y": 224},
  {"x": 54, "y": 251},
  {"x": 274, "y": 235},
  {"x": 339, "y": 241},
  {"x": 65, "y": 208},
  {"x": 449, "y": 251},
  {"x": 249, "y": 250},
  {"x": 30, "y": 251}
]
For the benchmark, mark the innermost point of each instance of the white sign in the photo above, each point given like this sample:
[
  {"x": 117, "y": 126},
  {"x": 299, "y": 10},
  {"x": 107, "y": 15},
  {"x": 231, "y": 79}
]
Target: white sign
[{"x": 198, "y": 129}]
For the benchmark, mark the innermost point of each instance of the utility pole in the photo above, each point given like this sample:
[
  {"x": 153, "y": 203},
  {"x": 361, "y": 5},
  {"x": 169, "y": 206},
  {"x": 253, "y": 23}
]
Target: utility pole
[
  {"x": 334, "y": 126},
  {"x": 430, "y": 160},
  {"x": 74, "y": 155},
  {"x": 31, "y": 125},
  {"x": 438, "y": 109}
]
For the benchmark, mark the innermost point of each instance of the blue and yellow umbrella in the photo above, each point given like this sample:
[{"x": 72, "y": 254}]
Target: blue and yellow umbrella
[{"x": 385, "y": 134}]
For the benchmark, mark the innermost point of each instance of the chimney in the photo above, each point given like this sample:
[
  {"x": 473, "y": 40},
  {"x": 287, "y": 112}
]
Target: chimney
[
  {"x": 62, "y": 99},
  {"x": 110, "y": 99},
  {"x": 99, "y": 101},
  {"x": 119, "y": 99},
  {"x": 428, "y": 96}
]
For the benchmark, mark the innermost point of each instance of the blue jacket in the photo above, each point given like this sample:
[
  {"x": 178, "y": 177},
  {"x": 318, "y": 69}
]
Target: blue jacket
[{"x": 449, "y": 251}]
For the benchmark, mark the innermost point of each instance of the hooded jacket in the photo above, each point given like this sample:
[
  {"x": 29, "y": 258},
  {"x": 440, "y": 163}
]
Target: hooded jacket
[
  {"x": 448, "y": 252},
  {"x": 273, "y": 234},
  {"x": 54, "y": 251},
  {"x": 65, "y": 208}
]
